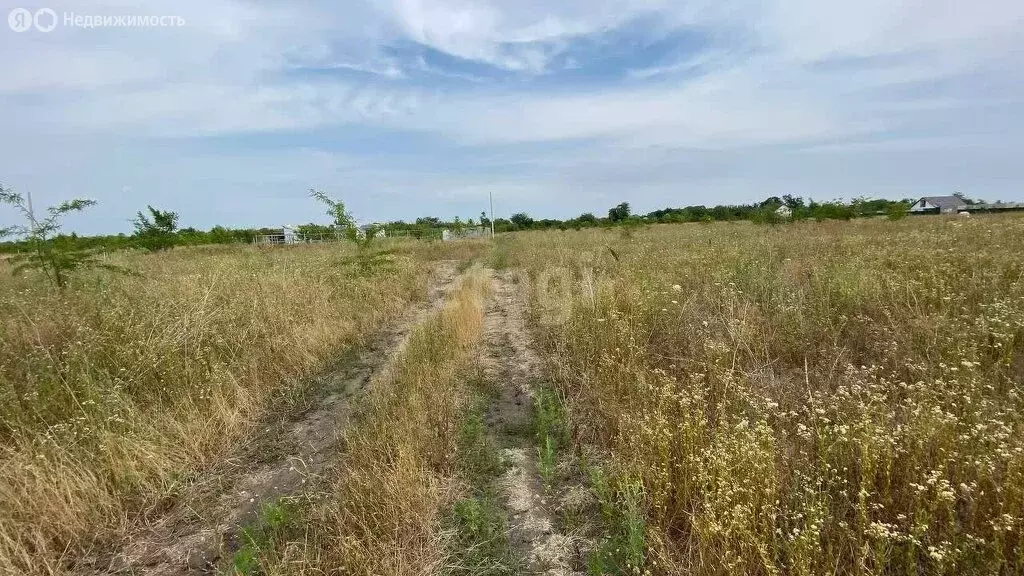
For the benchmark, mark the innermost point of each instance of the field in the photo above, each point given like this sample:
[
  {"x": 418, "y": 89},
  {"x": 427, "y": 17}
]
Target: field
[
  {"x": 805, "y": 399},
  {"x": 815, "y": 397}
]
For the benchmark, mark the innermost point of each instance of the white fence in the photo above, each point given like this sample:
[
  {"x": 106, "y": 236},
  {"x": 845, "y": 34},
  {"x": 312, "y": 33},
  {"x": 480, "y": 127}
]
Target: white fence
[{"x": 288, "y": 236}]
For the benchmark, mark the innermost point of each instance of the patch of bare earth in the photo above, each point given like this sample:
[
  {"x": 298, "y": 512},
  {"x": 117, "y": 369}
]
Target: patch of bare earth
[
  {"x": 512, "y": 365},
  {"x": 284, "y": 459}
]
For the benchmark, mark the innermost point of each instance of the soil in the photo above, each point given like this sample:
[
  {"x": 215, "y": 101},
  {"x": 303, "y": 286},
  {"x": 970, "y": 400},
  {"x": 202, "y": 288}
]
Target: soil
[
  {"x": 289, "y": 453},
  {"x": 512, "y": 366}
]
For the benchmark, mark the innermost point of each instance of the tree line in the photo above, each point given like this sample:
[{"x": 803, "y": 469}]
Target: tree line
[{"x": 155, "y": 229}]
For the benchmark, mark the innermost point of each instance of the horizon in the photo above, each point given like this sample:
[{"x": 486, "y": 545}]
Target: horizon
[{"x": 229, "y": 111}]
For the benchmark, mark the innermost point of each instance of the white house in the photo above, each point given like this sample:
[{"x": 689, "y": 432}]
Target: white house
[
  {"x": 377, "y": 230},
  {"x": 939, "y": 204},
  {"x": 784, "y": 211}
]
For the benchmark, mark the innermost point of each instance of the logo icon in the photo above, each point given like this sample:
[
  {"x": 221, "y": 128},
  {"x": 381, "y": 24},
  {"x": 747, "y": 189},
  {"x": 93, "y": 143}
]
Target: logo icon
[
  {"x": 44, "y": 24},
  {"x": 20, "y": 19}
]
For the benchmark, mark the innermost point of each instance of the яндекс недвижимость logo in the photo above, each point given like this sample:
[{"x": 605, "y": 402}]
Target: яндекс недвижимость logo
[{"x": 45, "y": 20}]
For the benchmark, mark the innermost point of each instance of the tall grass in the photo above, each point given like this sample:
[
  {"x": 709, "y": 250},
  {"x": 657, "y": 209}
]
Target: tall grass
[
  {"x": 383, "y": 512},
  {"x": 804, "y": 399},
  {"x": 116, "y": 392}
]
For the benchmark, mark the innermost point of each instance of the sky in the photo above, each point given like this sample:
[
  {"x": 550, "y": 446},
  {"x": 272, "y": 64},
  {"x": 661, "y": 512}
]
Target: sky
[{"x": 407, "y": 108}]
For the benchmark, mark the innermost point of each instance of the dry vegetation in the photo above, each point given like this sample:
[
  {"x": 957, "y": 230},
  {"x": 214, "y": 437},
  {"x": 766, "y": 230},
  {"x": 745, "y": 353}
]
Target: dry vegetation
[
  {"x": 118, "y": 391},
  {"x": 835, "y": 397},
  {"x": 803, "y": 399},
  {"x": 383, "y": 510}
]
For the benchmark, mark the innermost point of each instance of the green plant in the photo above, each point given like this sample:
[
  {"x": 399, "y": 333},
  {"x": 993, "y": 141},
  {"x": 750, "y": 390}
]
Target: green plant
[
  {"x": 479, "y": 458},
  {"x": 897, "y": 211},
  {"x": 264, "y": 538},
  {"x": 546, "y": 456},
  {"x": 619, "y": 213},
  {"x": 55, "y": 256},
  {"x": 341, "y": 217},
  {"x": 156, "y": 231},
  {"x": 551, "y": 431},
  {"x": 481, "y": 546}
]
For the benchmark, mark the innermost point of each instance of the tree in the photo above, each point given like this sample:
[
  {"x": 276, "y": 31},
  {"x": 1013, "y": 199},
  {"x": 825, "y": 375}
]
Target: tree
[
  {"x": 619, "y": 213},
  {"x": 521, "y": 220},
  {"x": 156, "y": 231},
  {"x": 897, "y": 211},
  {"x": 341, "y": 217},
  {"x": 794, "y": 203},
  {"x": 484, "y": 220},
  {"x": 55, "y": 256},
  {"x": 587, "y": 219},
  {"x": 965, "y": 199}
]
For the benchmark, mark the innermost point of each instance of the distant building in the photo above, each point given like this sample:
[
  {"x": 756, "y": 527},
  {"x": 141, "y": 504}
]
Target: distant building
[
  {"x": 939, "y": 204},
  {"x": 376, "y": 230},
  {"x": 784, "y": 211},
  {"x": 954, "y": 205}
]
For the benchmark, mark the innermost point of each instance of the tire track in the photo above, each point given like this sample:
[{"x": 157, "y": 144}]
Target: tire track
[
  {"x": 284, "y": 460},
  {"x": 512, "y": 365}
]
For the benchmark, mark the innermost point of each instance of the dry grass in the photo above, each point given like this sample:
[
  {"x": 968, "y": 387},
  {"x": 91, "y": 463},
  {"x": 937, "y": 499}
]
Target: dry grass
[
  {"x": 804, "y": 399},
  {"x": 115, "y": 393},
  {"x": 383, "y": 512}
]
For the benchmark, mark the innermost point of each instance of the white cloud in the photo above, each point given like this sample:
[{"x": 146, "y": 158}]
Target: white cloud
[{"x": 819, "y": 79}]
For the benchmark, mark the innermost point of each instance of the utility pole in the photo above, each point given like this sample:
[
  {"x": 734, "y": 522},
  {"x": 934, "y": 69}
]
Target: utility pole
[
  {"x": 490, "y": 195},
  {"x": 31, "y": 213}
]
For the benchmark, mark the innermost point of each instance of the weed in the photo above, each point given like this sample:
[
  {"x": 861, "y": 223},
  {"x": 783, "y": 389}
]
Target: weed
[
  {"x": 803, "y": 399},
  {"x": 480, "y": 546},
  {"x": 550, "y": 430},
  {"x": 546, "y": 458},
  {"x": 480, "y": 460},
  {"x": 623, "y": 549},
  {"x": 500, "y": 253},
  {"x": 278, "y": 521},
  {"x": 114, "y": 388}
]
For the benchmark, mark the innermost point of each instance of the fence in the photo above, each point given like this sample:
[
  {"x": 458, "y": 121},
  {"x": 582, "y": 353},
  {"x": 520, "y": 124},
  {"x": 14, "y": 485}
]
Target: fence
[{"x": 289, "y": 237}]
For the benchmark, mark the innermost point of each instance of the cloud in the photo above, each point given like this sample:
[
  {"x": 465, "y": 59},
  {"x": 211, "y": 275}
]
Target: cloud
[{"x": 423, "y": 105}]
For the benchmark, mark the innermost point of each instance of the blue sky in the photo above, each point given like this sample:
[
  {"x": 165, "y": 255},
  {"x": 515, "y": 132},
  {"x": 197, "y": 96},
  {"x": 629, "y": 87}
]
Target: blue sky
[{"x": 406, "y": 108}]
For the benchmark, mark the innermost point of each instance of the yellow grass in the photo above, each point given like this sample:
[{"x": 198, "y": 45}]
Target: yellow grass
[
  {"x": 804, "y": 399},
  {"x": 383, "y": 511},
  {"x": 117, "y": 391}
]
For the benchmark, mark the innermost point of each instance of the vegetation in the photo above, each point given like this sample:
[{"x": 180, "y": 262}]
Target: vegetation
[
  {"x": 620, "y": 213},
  {"x": 156, "y": 231},
  {"x": 817, "y": 398},
  {"x": 430, "y": 227},
  {"x": 824, "y": 396},
  {"x": 118, "y": 391},
  {"x": 53, "y": 255},
  {"x": 403, "y": 463},
  {"x": 341, "y": 218}
]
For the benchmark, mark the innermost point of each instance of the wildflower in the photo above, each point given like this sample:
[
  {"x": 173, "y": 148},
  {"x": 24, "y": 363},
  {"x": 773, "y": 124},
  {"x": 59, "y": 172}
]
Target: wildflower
[{"x": 677, "y": 288}]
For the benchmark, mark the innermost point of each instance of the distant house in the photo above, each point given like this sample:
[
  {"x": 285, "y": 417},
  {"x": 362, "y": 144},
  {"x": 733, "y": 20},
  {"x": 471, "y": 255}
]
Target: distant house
[
  {"x": 939, "y": 204},
  {"x": 376, "y": 230},
  {"x": 784, "y": 211}
]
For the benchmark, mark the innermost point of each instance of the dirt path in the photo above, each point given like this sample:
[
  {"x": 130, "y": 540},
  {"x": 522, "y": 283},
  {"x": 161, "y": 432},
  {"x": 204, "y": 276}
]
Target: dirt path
[
  {"x": 511, "y": 363},
  {"x": 206, "y": 524}
]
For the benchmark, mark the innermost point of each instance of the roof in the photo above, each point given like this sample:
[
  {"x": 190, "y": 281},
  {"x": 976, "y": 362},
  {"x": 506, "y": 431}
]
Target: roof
[{"x": 945, "y": 202}]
